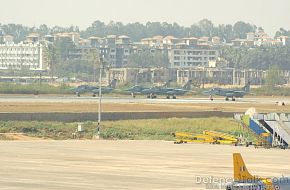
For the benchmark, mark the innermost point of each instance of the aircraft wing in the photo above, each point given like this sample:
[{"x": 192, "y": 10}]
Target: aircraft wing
[
  {"x": 208, "y": 92},
  {"x": 229, "y": 94},
  {"x": 176, "y": 91},
  {"x": 239, "y": 91},
  {"x": 237, "y": 94},
  {"x": 104, "y": 90}
]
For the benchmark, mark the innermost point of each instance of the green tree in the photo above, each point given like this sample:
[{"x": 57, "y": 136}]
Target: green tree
[
  {"x": 240, "y": 29},
  {"x": 273, "y": 76},
  {"x": 93, "y": 58},
  {"x": 51, "y": 58},
  {"x": 147, "y": 59},
  {"x": 206, "y": 27}
]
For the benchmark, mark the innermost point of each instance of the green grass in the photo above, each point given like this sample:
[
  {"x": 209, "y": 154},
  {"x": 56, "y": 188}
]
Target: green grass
[
  {"x": 155, "y": 129},
  {"x": 163, "y": 128},
  {"x": 271, "y": 91},
  {"x": 11, "y": 88}
]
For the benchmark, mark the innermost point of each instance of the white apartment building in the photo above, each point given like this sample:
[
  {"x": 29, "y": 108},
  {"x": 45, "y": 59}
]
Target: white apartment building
[
  {"x": 22, "y": 57},
  {"x": 191, "y": 57}
]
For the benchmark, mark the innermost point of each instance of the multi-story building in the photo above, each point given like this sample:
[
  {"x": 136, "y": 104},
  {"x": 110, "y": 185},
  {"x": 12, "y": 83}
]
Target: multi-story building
[
  {"x": 74, "y": 36},
  {"x": 184, "y": 56},
  {"x": 284, "y": 40},
  {"x": 82, "y": 50},
  {"x": 23, "y": 56},
  {"x": 115, "y": 50},
  {"x": 155, "y": 41},
  {"x": 32, "y": 38},
  {"x": 261, "y": 39}
]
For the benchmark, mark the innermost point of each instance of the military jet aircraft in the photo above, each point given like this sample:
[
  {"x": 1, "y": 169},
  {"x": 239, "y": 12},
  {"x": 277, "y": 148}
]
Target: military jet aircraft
[
  {"x": 162, "y": 90},
  {"x": 173, "y": 92},
  {"x": 105, "y": 89},
  {"x": 137, "y": 89},
  {"x": 228, "y": 93},
  {"x": 94, "y": 89},
  {"x": 243, "y": 180},
  {"x": 83, "y": 89}
]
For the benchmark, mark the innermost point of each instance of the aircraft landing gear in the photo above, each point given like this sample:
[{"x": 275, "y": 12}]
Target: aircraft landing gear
[
  {"x": 227, "y": 99},
  {"x": 168, "y": 97},
  {"x": 233, "y": 99},
  {"x": 152, "y": 96},
  {"x": 94, "y": 95}
]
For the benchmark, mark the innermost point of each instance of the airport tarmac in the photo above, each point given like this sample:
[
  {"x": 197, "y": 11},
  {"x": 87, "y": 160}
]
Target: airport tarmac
[
  {"x": 91, "y": 165},
  {"x": 109, "y": 99}
]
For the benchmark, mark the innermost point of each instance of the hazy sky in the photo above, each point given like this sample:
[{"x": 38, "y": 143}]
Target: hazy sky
[{"x": 270, "y": 14}]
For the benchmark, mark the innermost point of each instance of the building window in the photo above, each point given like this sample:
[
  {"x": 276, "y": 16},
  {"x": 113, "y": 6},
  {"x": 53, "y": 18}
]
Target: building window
[
  {"x": 177, "y": 52},
  {"x": 176, "y": 58}
]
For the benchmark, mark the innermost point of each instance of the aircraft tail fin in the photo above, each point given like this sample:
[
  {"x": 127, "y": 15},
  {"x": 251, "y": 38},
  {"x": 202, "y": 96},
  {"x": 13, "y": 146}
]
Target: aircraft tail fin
[
  {"x": 241, "y": 172},
  {"x": 247, "y": 88},
  {"x": 113, "y": 83},
  {"x": 187, "y": 86},
  {"x": 167, "y": 84}
]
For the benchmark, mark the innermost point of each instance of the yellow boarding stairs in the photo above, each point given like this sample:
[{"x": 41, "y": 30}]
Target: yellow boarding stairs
[{"x": 212, "y": 137}]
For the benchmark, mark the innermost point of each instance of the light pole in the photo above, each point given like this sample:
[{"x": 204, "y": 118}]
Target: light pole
[{"x": 100, "y": 98}]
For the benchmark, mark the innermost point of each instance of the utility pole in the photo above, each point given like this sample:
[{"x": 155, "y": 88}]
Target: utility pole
[
  {"x": 100, "y": 98},
  {"x": 40, "y": 78}
]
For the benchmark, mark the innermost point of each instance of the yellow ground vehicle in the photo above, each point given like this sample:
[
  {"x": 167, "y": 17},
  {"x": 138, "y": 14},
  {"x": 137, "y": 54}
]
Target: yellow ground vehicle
[
  {"x": 222, "y": 138},
  {"x": 211, "y": 137},
  {"x": 184, "y": 137}
]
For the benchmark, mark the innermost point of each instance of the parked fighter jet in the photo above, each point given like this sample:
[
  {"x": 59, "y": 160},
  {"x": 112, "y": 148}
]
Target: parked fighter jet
[
  {"x": 228, "y": 93},
  {"x": 105, "y": 89},
  {"x": 136, "y": 90},
  {"x": 173, "y": 92},
  {"x": 83, "y": 89},
  {"x": 145, "y": 90},
  {"x": 162, "y": 90},
  {"x": 243, "y": 180},
  {"x": 95, "y": 89}
]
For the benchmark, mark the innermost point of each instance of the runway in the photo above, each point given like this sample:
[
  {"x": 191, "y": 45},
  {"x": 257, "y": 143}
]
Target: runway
[
  {"x": 127, "y": 165},
  {"x": 110, "y": 99}
]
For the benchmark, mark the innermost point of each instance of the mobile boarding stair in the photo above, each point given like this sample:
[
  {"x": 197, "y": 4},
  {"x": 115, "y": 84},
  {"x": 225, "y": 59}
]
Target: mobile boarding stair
[
  {"x": 279, "y": 126},
  {"x": 273, "y": 127}
]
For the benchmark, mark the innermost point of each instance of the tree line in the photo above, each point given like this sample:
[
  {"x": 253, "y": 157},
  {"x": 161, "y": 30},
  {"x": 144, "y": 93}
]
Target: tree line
[
  {"x": 137, "y": 31},
  {"x": 262, "y": 57},
  {"x": 241, "y": 57}
]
